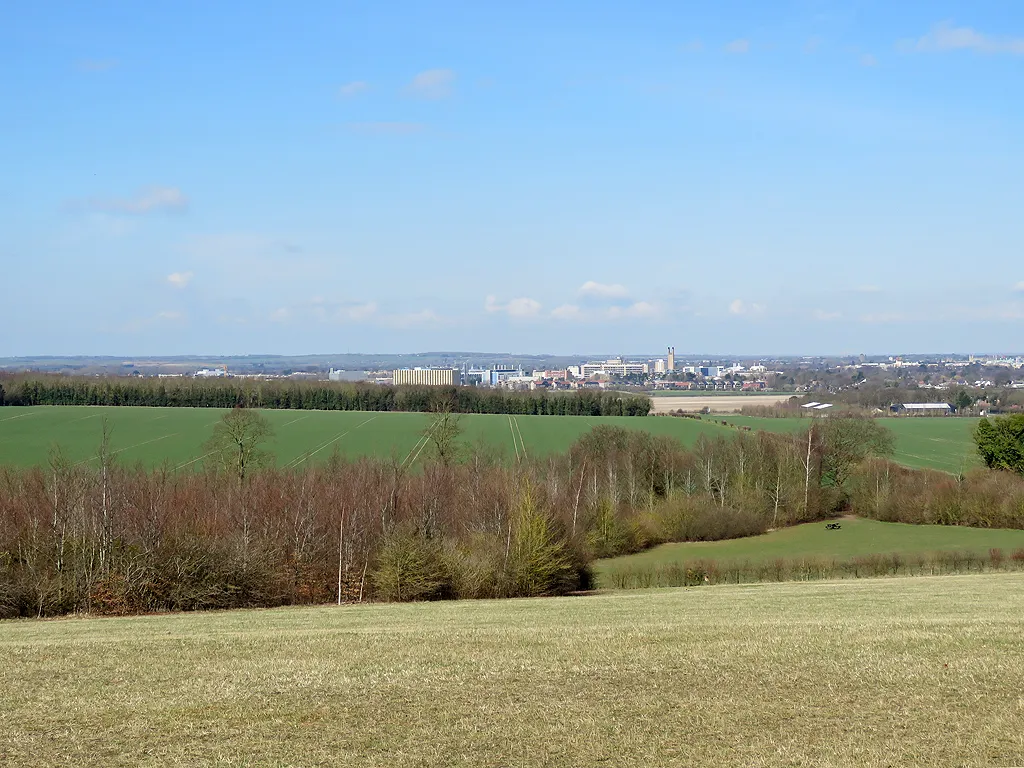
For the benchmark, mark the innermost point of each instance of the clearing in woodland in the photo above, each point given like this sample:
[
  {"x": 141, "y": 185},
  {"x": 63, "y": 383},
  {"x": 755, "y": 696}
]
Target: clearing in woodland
[
  {"x": 869, "y": 673},
  {"x": 856, "y": 538}
]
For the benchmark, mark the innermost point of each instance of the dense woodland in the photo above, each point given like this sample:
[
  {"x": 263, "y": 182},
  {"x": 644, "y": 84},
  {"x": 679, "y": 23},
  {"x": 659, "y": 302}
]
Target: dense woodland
[
  {"x": 316, "y": 395},
  {"x": 106, "y": 538}
]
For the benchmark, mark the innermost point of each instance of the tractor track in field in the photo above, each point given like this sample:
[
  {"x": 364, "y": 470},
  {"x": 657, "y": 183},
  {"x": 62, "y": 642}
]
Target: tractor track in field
[{"x": 305, "y": 457}]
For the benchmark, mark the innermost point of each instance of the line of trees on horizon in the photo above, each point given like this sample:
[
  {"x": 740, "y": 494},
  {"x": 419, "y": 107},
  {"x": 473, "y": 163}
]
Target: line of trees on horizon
[{"x": 30, "y": 390}]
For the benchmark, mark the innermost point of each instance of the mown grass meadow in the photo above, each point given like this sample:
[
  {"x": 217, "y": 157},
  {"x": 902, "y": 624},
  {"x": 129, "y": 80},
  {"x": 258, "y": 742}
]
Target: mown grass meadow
[{"x": 882, "y": 672}]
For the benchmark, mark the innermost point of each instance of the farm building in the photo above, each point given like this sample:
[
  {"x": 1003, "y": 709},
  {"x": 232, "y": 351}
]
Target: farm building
[{"x": 923, "y": 409}]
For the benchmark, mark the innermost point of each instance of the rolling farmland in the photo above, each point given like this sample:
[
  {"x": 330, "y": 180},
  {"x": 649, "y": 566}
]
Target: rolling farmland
[{"x": 176, "y": 435}]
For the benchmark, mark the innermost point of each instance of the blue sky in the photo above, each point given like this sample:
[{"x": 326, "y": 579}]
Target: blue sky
[{"x": 730, "y": 177}]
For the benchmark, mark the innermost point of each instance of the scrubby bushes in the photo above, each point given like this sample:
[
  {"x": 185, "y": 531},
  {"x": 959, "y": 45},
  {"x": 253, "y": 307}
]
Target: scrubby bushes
[
  {"x": 104, "y": 538},
  {"x": 980, "y": 498}
]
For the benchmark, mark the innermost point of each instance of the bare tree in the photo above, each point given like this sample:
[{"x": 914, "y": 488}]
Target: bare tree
[{"x": 237, "y": 442}]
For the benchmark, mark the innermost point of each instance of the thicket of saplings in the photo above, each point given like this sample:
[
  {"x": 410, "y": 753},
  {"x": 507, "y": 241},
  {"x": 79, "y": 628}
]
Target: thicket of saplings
[
  {"x": 311, "y": 395},
  {"x": 104, "y": 538}
]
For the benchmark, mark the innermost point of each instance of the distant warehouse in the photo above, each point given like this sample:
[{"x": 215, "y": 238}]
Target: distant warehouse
[
  {"x": 435, "y": 377},
  {"x": 924, "y": 409}
]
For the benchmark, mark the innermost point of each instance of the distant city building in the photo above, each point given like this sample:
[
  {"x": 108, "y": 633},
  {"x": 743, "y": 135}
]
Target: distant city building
[
  {"x": 614, "y": 367},
  {"x": 435, "y": 377},
  {"x": 212, "y": 373},
  {"x": 660, "y": 366},
  {"x": 710, "y": 371},
  {"x": 671, "y": 358},
  {"x": 341, "y": 375}
]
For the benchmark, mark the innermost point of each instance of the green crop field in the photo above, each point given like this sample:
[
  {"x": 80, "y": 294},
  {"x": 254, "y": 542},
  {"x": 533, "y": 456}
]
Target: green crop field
[
  {"x": 176, "y": 435},
  {"x": 925, "y": 443},
  {"x": 871, "y": 673},
  {"x": 856, "y": 538}
]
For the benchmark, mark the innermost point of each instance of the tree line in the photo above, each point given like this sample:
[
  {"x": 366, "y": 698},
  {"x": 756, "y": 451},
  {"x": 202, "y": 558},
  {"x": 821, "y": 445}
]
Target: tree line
[
  {"x": 319, "y": 395},
  {"x": 100, "y": 537}
]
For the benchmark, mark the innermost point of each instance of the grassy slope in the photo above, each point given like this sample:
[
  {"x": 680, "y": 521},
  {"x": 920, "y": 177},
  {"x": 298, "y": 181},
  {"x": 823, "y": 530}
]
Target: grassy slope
[
  {"x": 909, "y": 672},
  {"x": 857, "y": 537},
  {"x": 151, "y": 435},
  {"x": 927, "y": 443}
]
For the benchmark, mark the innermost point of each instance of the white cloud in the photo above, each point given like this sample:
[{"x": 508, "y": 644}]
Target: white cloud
[
  {"x": 821, "y": 314},
  {"x": 179, "y": 279},
  {"x": 740, "y": 307},
  {"x": 169, "y": 314},
  {"x": 280, "y": 315},
  {"x": 1019, "y": 287},
  {"x": 813, "y": 44},
  {"x": 433, "y": 84},
  {"x": 693, "y": 46},
  {"x": 738, "y": 46},
  {"x": 149, "y": 200},
  {"x": 359, "y": 312},
  {"x": 519, "y": 307},
  {"x": 945, "y": 37},
  {"x": 867, "y": 60},
  {"x": 603, "y": 290},
  {"x": 566, "y": 312},
  {"x": 348, "y": 90},
  {"x": 867, "y": 289},
  {"x": 636, "y": 310}
]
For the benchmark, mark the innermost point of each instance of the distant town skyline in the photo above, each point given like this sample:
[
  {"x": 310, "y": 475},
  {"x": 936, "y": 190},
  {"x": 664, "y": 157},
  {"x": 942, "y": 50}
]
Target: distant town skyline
[{"x": 757, "y": 179}]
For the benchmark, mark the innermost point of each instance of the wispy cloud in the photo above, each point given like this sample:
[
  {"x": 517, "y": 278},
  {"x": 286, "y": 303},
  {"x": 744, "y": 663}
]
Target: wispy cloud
[
  {"x": 603, "y": 290},
  {"x": 740, "y": 307},
  {"x": 825, "y": 316},
  {"x": 433, "y": 84},
  {"x": 946, "y": 37},
  {"x": 149, "y": 200},
  {"x": 882, "y": 318},
  {"x": 348, "y": 90},
  {"x": 867, "y": 60},
  {"x": 179, "y": 279},
  {"x": 693, "y": 46},
  {"x": 813, "y": 44},
  {"x": 1019, "y": 287},
  {"x": 96, "y": 65},
  {"x": 386, "y": 128},
  {"x": 567, "y": 312},
  {"x": 522, "y": 307},
  {"x": 637, "y": 310},
  {"x": 738, "y": 46}
]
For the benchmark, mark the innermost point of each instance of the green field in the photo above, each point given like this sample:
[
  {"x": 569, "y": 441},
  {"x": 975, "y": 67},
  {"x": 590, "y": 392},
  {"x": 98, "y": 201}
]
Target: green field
[
  {"x": 925, "y": 443},
  {"x": 857, "y": 538},
  {"x": 153, "y": 435},
  {"x": 872, "y": 673},
  {"x": 176, "y": 435}
]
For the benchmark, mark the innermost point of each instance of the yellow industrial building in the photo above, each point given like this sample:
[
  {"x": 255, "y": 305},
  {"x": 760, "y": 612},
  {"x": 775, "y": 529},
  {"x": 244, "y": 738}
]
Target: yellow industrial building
[{"x": 435, "y": 377}]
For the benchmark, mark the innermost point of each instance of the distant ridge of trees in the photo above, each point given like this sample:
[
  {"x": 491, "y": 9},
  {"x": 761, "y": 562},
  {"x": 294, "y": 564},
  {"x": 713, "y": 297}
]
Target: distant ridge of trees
[{"x": 306, "y": 395}]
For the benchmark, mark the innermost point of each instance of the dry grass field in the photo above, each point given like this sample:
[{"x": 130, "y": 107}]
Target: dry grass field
[
  {"x": 716, "y": 403},
  {"x": 882, "y": 672}
]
